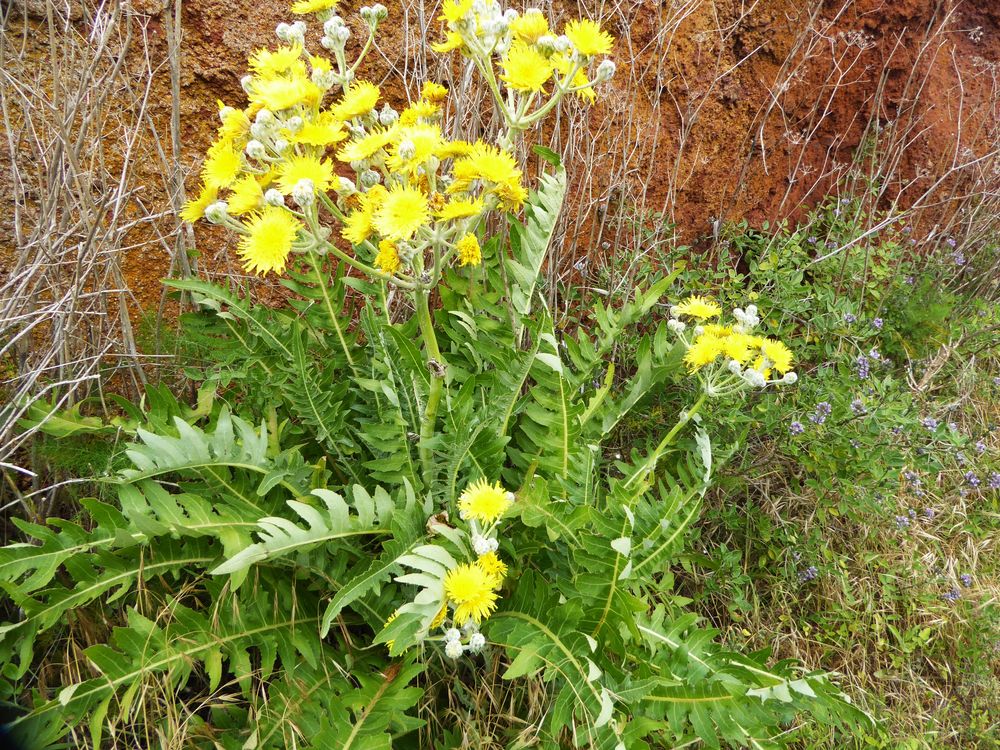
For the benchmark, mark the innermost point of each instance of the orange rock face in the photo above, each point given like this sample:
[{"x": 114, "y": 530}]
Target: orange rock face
[{"x": 720, "y": 111}]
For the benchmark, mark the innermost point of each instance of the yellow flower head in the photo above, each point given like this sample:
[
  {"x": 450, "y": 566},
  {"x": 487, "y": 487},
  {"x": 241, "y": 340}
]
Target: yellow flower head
[
  {"x": 484, "y": 502},
  {"x": 494, "y": 567},
  {"x": 358, "y": 224},
  {"x": 699, "y": 307},
  {"x": 301, "y": 7},
  {"x": 402, "y": 213},
  {"x": 434, "y": 92},
  {"x": 450, "y": 149},
  {"x": 530, "y": 27},
  {"x": 738, "y": 346},
  {"x": 194, "y": 209},
  {"x": 366, "y": 146},
  {"x": 454, "y": 11},
  {"x": 470, "y": 589},
  {"x": 703, "y": 351},
  {"x": 779, "y": 355},
  {"x": 273, "y": 63},
  {"x": 222, "y": 165},
  {"x": 277, "y": 94},
  {"x": 270, "y": 238},
  {"x": 422, "y": 110},
  {"x": 321, "y": 130},
  {"x": 421, "y": 141},
  {"x": 247, "y": 195},
  {"x": 525, "y": 68},
  {"x": 359, "y": 99},
  {"x": 460, "y": 209},
  {"x": 512, "y": 195},
  {"x": 469, "y": 253},
  {"x": 296, "y": 168},
  {"x": 320, "y": 63},
  {"x": 452, "y": 41},
  {"x": 235, "y": 124},
  {"x": 393, "y": 616},
  {"x": 588, "y": 38},
  {"x": 439, "y": 617},
  {"x": 487, "y": 163},
  {"x": 580, "y": 82},
  {"x": 387, "y": 259}
]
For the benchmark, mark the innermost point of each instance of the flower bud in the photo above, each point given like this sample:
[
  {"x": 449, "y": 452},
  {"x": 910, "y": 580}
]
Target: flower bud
[
  {"x": 274, "y": 197},
  {"x": 387, "y": 115},
  {"x": 217, "y": 212},
  {"x": 280, "y": 145},
  {"x": 265, "y": 118},
  {"x": 370, "y": 177},
  {"x": 304, "y": 193},
  {"x": 346, "y": 186},
  {"x": 477, "y": 642},
  {"x": 225, "y": 112},
  {"x": 452, "y": 634},
  {"x": 453, "y": 649},
  {"x": 790, "y": 378},
  {"x": 606, "y": 70},
  {"x": 380, "y": 12},
  {"x": 481, "y": 545},
  {"x": 734, "y": 367},
  {"x": 294, "y": 124},
  {"x": 406, "y": 150},
  {"x": 255, "y": 149},
  {"x": 246, "y": 82},
  {"x": 563, "y": 44}
]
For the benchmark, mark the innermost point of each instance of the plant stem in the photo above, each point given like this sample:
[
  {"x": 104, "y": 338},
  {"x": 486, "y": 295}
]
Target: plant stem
[
  {"x": 654, "y": 457},
  {"x": 436, "y": 365}
]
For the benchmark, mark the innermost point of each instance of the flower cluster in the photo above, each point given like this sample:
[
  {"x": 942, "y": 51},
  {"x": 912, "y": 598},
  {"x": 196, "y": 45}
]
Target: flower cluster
[
  {"x": 535, "y": 65},
  {"x": 301, "y": 169},
  {"x": 729, "y": 358}
]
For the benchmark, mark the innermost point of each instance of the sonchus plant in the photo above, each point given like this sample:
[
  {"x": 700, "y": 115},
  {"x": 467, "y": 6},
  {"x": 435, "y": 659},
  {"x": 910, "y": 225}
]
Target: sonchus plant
[{"x": 378, "y": 492}]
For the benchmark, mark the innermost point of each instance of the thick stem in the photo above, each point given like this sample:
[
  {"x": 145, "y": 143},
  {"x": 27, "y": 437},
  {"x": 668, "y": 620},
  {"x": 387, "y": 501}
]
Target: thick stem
[
  {"x": 654, "y": 457},
  {"x": 436, "y": 365}
]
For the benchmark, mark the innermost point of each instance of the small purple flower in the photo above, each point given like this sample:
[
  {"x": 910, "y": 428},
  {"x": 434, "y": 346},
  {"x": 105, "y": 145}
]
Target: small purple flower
[
  {"x": 950, "y": 242},
  {"x": 831, "y": 245},
  {"x": 980, "y": 447},
  {"x": 918, "y": 493},
  {"x": 960, "y": 457},
  {"x": 972, "y": 479},
  {"x": 994, "y": 481},
  {"x": 796, "y": 428},
  {"x": 844, "y": 201},
  {"x": 912, "y": 477},
  {"x": 929, "y": 513},
  {"x": 902, "y": 522},
  {"x": 874, "y": 353},
  {"x": 930, "y": 423},
  {"x": 953, "y": 426},
  {"x": 897, "y": 430},
  {"x": 836, "y": 212},
  {"x": 909, "y": 281},
  {"x": 907, "y": 229},
  {"x": 855, "y": 444},
  {"x": 811, "y": 240},
  {"x": 963, "y": 492},
  {"x": 823, "y": 410},
  {"x": 966, "y": 579},
  {"x": 952, "y": 596},
  {"x": 959, "y": 257},
  {"x": 858, "y": 407},
  {"x": 996, "y": 380},
  {"x": 877, "y": 324},
  {"x": 850, "y": 318},
  {"x": 863, "y": 365},
  {"x": 913, "y": 241},
  {"x": 808, "y": 574}
]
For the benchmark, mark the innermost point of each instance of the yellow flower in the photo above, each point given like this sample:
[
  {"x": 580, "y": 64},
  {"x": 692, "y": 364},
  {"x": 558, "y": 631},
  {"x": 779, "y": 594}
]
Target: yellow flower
[
  {"x": 301, "y": 7},
  {"x": 779, "y": 355},
  {"x": 393, "y": 616},
  {"x": 454, "y": 11},
  {"x": 512, "y": 195},
  {"x": 270, "y": 238},
  {"x": 460, "y": 209},
  {"x": 699, "y": 307},
  {"x": 448, "y": 149},
  {"x": 320, "y": 63},
  {"x": 422, "y": 110},
  {"x": 468, "y": 250},
  {"x": 247, "y": 195},
  {"x": 322, "y": 130},
  {"x": 703, "y": 351},
  {"x": 366, "y": 146},
  {"x": 194, "y": 209},
  {"x": 222, "y": 165},
  {"x": 439, "y": 617},
  {"x": 484, "y": 162},
  {"x": 483, "y": 502},
  {"x": 714, "y": 329},
  {"x": 580, "y": 81},
  {"x": 273, "y": 63},
  {"x": 402, "y": 213},
  {"x": 359, "y": 99},
  {"x": 470, "y": 588},
  {"x": 358, "y": 224},
  {"x": 434, "y": 92},
  {"x": 494, "y": 567},
  {"x": 277, "y": 94},
  {"x": 387, "y": 259},
  {"x": 530, "y": 27},
  {"x": 452, "y": 41},
  {"x": 305, "y": 168},
  {"x": 588, "y": 38},
  {"x": 235, "y": 124},
  {"x": 424, "y": 140},
  {"x": 525, "y": 68},
  {"x": 737, "y": 346}
]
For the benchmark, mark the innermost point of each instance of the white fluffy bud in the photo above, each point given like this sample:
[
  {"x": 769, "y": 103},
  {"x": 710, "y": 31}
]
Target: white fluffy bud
[
  {"x": 452, "y": 634},
  {"x": 481, "y": 545},
  {"x": 256, "y": 150},
  {"x": 304, "y": 193},
  {"x": 406, "y": 150},
  {"x": 294, "y": 124},
  {"x": 246, "y": 82},
  {"x": 280, "y": 145},
  {"x": 790, "y": 378},
  {"x": 346, "y": 186},
  {"x": 217, "y": 212},
  {"x": 676, "y": 326},
  {"x": 477, "y": 642},
  {"x": 370, "y": 177},
  {"x": 387, "y": 115},
  {"x": 606, "y": 70},
  {"x": 453, "y": 649},
  {"x": 734, "y": 367},
  {"x": 274, "y": 197}
]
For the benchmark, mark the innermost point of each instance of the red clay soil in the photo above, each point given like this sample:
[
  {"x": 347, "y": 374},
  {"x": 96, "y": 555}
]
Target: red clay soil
[{"x": 721, "y": 109}]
